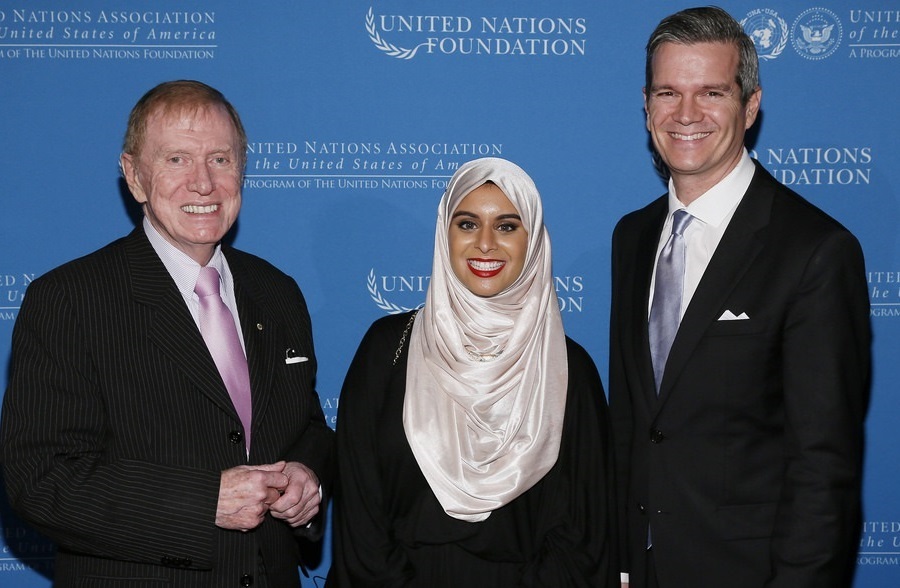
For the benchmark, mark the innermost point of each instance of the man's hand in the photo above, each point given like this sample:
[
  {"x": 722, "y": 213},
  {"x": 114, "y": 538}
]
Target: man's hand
[
  {"x": 245, "y": 493},
  {"x": 300, "y": 500}
]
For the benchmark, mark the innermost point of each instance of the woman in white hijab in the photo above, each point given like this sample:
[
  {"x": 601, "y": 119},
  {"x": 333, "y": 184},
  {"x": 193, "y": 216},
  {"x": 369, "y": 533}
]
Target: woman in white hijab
[{"x": 472, "y": 434}]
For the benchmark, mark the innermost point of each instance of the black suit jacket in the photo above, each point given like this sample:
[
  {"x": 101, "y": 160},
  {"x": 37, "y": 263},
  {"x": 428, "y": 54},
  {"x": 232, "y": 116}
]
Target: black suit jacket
[
  {"x": 116, "y": 424},
  {"x": 747, "y": 466}
]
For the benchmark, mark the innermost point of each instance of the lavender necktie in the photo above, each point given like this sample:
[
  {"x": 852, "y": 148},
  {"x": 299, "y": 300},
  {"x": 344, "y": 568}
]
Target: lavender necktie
[
  {"x": 665, "y": 312},
  {"x": 221, "y": 337}
]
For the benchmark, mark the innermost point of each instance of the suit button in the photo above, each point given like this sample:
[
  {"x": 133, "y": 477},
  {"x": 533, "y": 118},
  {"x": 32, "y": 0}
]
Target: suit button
[
  {"x": 235, "y": 437},
  {"x": 656, "y": 436},
  {"x": 641, "y": 508},
  {"x": 246, "y": 580}
]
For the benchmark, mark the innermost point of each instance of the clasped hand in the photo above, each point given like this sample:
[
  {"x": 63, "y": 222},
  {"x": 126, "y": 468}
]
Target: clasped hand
[{"x": 287, "y": 490}]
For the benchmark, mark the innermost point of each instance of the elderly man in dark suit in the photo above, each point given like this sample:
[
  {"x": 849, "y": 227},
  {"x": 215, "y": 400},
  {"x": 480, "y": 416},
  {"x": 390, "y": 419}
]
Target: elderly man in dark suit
[
  {"x": 162, "y": 436},
  {"x": 740, "y": 345}
]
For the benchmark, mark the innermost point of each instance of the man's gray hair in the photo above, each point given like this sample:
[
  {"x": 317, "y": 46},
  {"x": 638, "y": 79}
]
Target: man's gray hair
[{"x": 708, "y": 24}]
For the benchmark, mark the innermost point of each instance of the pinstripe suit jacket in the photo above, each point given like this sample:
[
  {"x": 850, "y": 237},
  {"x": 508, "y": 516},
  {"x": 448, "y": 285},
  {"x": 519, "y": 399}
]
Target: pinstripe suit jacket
[{"x": 116, "y": 424}]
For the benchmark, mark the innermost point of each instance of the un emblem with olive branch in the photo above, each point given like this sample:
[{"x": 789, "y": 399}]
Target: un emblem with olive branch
[
  {"x": 389, "y": 48},
  {"x": 768, "y": 31},
  {"x": 381, "y": 301}
]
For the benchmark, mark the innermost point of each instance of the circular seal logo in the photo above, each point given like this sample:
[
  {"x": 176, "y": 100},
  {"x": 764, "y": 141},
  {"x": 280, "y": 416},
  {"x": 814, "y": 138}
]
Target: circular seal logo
[
  {"x": 768, "y": 31},
  {"x": 816, "y": 33}
]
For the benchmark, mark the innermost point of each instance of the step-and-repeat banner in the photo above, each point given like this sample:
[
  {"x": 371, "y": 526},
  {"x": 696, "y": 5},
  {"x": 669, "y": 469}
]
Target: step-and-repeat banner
[{"x": 359, "y": 111}]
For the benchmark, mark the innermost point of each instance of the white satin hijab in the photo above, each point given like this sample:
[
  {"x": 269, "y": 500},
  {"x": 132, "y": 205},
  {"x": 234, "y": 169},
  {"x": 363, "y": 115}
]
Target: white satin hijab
[{"x": 487, "y": 376}]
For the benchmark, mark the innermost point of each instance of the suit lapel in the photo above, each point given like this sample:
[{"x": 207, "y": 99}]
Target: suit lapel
[
  {"x": 260, "y": 333},
  {"x": 740, "y": 244},
  {"x": 645, "y": 259},
  {"x": 170, "y": 325}
]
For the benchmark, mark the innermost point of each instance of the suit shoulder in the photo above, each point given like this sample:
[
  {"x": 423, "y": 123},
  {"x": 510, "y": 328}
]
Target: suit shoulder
[
  {"x": 254, "y": 264},
  {"x": 90, "y": 268},
  {"x": 642, "y": 217},
  {"x": 798, "y": 214}
]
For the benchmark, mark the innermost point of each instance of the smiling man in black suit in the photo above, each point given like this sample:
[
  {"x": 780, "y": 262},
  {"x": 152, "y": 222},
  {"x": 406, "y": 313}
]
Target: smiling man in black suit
[{"x": 740, "y": 344}]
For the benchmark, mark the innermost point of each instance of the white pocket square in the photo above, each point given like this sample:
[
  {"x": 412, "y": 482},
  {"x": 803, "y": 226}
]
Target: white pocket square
[
  {"x": 730, "y": 316},
  {"x": 290, "y": 357}
]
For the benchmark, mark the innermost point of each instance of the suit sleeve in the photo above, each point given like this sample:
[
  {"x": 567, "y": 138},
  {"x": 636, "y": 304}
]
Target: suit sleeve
[
  {"x": 619, "y": 403},
  {"x": 825, "y": 367},
  {"x": 315, "y": 447},
  {"x": 59, "y": 474}
]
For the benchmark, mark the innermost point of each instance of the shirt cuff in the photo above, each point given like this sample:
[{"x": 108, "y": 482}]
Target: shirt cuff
[{"x": 310, "y": 523}]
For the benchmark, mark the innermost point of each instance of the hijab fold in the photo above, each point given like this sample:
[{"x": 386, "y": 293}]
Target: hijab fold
[{"x": 487, "y": 376}]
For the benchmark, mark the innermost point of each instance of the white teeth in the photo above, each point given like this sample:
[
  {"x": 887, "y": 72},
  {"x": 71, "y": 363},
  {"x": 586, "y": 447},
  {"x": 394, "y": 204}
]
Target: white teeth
[
  {"x": 486, "y": 266},
  {"x": 693, "y": 137},
  {"x": 194, "y": 209}
]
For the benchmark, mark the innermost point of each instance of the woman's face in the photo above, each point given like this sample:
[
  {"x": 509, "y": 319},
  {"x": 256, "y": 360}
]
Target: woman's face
[{"x": 487, "y": 241}]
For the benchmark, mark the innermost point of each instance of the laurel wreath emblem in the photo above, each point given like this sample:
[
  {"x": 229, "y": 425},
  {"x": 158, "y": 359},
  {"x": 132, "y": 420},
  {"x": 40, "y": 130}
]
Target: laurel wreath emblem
[
  {"x": 390, "y": 49},
  {"x": 781, "y": 43},
  {"x": 383, "y": 304}
]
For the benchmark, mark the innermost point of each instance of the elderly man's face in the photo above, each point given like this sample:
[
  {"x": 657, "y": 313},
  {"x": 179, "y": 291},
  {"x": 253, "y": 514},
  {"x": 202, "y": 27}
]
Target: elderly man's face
[{"x": 187, "y": 176}]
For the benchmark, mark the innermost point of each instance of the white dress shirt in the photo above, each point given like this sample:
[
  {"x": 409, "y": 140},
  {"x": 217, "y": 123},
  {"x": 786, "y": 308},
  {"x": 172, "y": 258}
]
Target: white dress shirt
[
  {"x": 185, "y": 272},
  {"x": 712, "y": 212}
]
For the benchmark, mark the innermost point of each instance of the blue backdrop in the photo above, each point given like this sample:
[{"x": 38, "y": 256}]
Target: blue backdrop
[{"x": 358, "y": 113}]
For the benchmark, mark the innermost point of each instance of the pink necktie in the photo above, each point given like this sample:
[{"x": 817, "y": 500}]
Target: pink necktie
[{"x": 221, "y": 337}]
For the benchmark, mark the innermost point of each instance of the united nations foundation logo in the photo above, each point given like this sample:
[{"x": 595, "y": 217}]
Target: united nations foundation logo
[
  {"x": 396, "y": 286},
  {"x": 393, "y": 294},
  {"x": 816, "y": 33},
  {"x": 768, "y": 31},
  {"x": 477, "y": 36},
  {"x": 389, "y": 48}
]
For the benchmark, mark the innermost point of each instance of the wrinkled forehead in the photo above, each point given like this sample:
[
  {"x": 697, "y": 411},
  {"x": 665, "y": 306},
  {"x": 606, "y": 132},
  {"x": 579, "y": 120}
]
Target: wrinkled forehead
[
  {"x": 189, "y": 113},
  {"x": 178, "y": 126}
]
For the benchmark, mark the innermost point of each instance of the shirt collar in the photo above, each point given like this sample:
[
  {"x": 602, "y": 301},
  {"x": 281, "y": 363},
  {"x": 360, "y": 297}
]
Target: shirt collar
[
  {"x": 715, "y": 205},
  {"x": 183, "y": 269}
]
